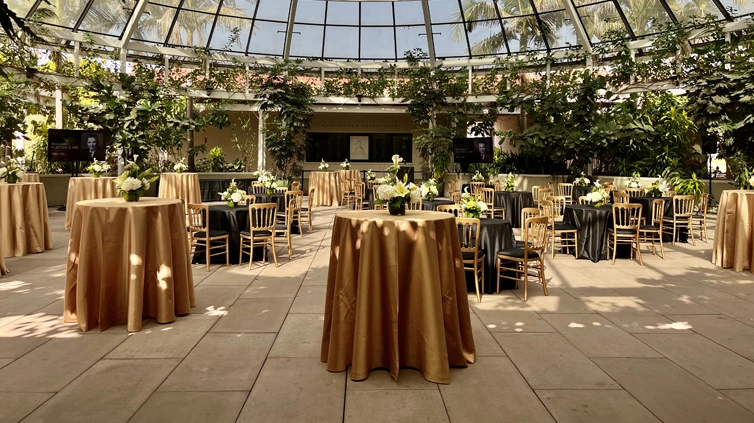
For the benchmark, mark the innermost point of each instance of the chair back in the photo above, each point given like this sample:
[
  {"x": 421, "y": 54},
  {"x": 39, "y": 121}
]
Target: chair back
[
  {"x": 683, "y": 205},
  {"x": 620, "y": 197},
  {"x": 558, "y": 205},
  {"x": 295, "y": 186},
  {"x": 475, "y": 186},
  {"x": 528, "y": 212},
  {"x": 635, "y": 192},
  {"x": 373, "y": 183},
  {"x": 262, "y": 217},
  {"x": 281, "y": 189},
  {"x": 565, "y": 190},
  {"x": 197, "y": 217},
  {"x": 534, "y": 234},
  {"x": 583, "y": 199},
  {"x": 498, "y": 186},
  {"x": 543, "y": 193},
  {"x": 375, "y": 197},
  {"x": 452, "y": 185},
  {"x": 453, "y": 209},
  {"x": 487, "y": 195},
  {"x": 626, "y": 216},
  {"x": 468, "y": 231},
  {"x": 670, "y": 193},
  {"x": 415, "y": 204},
  {"x": 250, "y": 199},
  {"x": 455, "y": 197},
  {"x": 297, "y": 197},
  {"x": 547, "y": 209},
  {"x": 257, "y": 187},
  {"x": 658, "y": 212},
  {"x": 535, "y": 192},
  {"x": 360, "y": 191},
  {"x": 703, "y": 204}
]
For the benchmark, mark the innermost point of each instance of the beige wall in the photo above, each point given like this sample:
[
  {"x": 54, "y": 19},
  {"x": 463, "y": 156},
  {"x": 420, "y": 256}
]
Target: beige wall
[{"x": 223, "y": 137}]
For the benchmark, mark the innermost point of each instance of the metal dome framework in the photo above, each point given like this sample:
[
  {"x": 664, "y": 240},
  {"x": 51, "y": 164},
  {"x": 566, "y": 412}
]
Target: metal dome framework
[{"x": 365, "y": 33}]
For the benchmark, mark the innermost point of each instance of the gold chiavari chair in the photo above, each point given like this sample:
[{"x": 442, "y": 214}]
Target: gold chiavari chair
[
  {"x": 653, "y": 232},
  {"x": 566, "y": 190},
  {"x": 452, "y": 185},
  {"x": 453, "y": 209},
  {"x": 298, "y": 203},
  {"x": 371, "y": 184},
  {"x": 455, "y": 197},
  {"x": 283, "y": 230},
  {"x": 699, "y": 220},
  {"x": 475, "y": 186},
  {"x": 583, "y": 199},
  {"x": 535, "y": 193},
  {"x": 625, "y": 230},
  {"x": 281, "y": 189},
  {"x": 262, "y": 222},
  {"x": 488, "y": 196},
  {"x": 620, "y": 197},
  {"x": 377, "y": 206},
  {"x": 670, "y": 193},
  {"x": 347, "y": 196},
  {"x": 250, "y": 199},
  {"x": 560, "y": 229},
  {"x": 306, "y": 212},
  {"x": 295, "y": 186},
  {"x": 257, "y": 188},
  {"x": 683, "y": 210},
  {"x": 473, "y": 259},
  {"x": 635, "y": 192},
  {"x": 414, "y": 204},
  {"x": 526, "y": 213},
  {"x": 360, "y": 194},
  {"x": 543, "y": 193},
  {"x": 202, "y": 236},
  {"x": 519, "y": 260}
]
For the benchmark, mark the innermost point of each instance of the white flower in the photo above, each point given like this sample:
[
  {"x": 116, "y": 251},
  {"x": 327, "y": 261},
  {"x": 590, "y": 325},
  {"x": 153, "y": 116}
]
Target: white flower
[
  {"x": 96, "y": 168},
  {"x": 751, "y": 181},
  {"x": 236, "y": 197},
  {"x": 130, "y": 184},
  {"x": 145, "y": 183},
  {"x": 397, "y": 159},
  {"x": 401, "y": 190},
  {"x": 3, "y": 172},
  {"x": 482, "y": 206},
  {"x": 386, "y": 192}
]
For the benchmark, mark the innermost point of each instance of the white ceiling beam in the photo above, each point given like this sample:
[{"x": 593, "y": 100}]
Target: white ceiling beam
[
  {"x": 578, "y": 26},
  {"x": 428, "y": 28},
  {"x": 289, "y": 30},
  {"x": 133, "y": 22}
]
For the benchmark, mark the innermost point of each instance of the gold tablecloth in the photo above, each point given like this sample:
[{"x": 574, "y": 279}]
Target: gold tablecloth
[
  {"x": 326, "y": 188},
  {"x": 127, "y": 261},
  {"x": 24, "y": 221},
  {"x": 3, "y": 269},
  {"x": 396, "y": 295},
  {"x": 734, "y": 232},
  {"x": 29, "y": 177},
  {"x": 351, "y": 176},
  {"x": 87, "y": 188},
  {"x": 182, "y": 186}
]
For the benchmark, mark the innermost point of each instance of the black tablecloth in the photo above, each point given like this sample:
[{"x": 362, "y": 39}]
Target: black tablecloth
[
  {"x": 277, "y": 197},
  {"x": 432, "y": 205},
  {"x": 580, "y": 192},
  {"x": 464, "y": 186},
  {"x": 592, "y": 223},
  {"x": 210, "y": 188},
  {"x": 513, "y": 203},
  {"x": 496, "y": 235}
]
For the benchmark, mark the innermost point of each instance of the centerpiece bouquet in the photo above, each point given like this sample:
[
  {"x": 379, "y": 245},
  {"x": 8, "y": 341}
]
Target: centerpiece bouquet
[
  {"x": 233, "y": 195},
  {"x": 634, "y": 181},
  {"x": 598, "y": 195},
  {"x": 133, "y": 182},
  {"x": 582, "y": 181},
  {"x": 477, "y": 177},
  {"x": 97, "y": 168},
  {"x": 396, "y": 194},
  {"x": 509, "y": 182},
  {"x": 268, "y": 180},
  {"x": 345, "y": 165},
  {"x": 11, "y": 172},
  {"x": 393, "y": 169},
  {"x": 658, "y": 188},
  {"x": 180, "y": 166},
  {"x": 471, "y": 206},
  {"x": 429, "y": 190},
  {"x": 370, "y": 175},
  {"x": 323, "y": 166}
]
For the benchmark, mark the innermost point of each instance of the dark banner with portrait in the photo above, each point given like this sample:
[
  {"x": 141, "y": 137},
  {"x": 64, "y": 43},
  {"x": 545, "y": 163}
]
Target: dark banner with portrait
[
  {"x": 74, "y": 145},
  {"x": 473, "y": 150}
]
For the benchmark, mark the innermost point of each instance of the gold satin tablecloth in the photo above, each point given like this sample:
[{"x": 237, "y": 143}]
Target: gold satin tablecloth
[
  {"x": 24, "y": 221},
  {"x": 127, "y": 261},
  {"x": 396, "y": 295},
  {"x": 734, "y": 232},
  {"x": 182, "y": 186},
  {"x": 351, "y": 176},
  {"x": 87, "y": 188},
  {"x": 3, "y": 269},
  {"x": 29, "y": 177},
  {"x": 326, "y": 188}
]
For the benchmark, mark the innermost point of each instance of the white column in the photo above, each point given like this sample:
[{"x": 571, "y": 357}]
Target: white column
[
  {"x": 58, "y": 108},
  {"x": 261, "y": 144}
]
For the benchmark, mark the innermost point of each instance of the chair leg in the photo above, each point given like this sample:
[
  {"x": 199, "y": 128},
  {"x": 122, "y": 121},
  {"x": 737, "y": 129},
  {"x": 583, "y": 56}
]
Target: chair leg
[
  {"x": 240, "y": 253},
  {"x": 542, "y": 275},
  {"x": 615, "y": 246},
  {"x": 691, "y": 234},
  {"x": 476, "y": 283},
  {"x": 227, "y": 253},
  {"x": 498, "y": 275},
  {"x": 638, "y": 251},
  {"x": 274, "y": 253},
  {"x": 290, "y": 246},
  {"x": 526, "y": 281},
  {"x": 206, "y": 252},
  {"x": 674, "y": 227}
]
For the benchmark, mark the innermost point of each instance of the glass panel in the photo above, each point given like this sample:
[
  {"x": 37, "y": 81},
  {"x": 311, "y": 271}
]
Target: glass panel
[
  {"x": 445, "y": 11},
  {"x": 523, "y": 34},
  {"x": 154, "y": 23},
  {"x": 342, "y": 13},
  {"x": 685, "y": 9},
  {"x": 645, "y": 18},
  {"x": 600, "y": 18},
  {"x": 309, "y": 42},
  {"x": 515, "y": 8},
  {"x": 584, "y": 2},
  {"x": 225, "y": 38},
  {"x": 167, "y": 2},
  {"x": 408, "y": 12},
  {"x": 206, "y": 6},
  {"x": 242, "y": 8},
  {"x": 107, "y": 17},
  {"x": 548, "y": 5},
  {"x": 67, "y": 12},
  {"x": 342, "y": 42},
  {"x": 738, "y": 7},
  {"x": 268, "y": 38},
  {"x": 19, "y": 7},
  {"x": 563, "y": 33},
  {"x": 274, "y": 10},
  {"x": 486, "y": 37},
  {"x": 378, "y": 13},
  {"x": 377, "y": 43},
  {"x": 192, "y": 29},
  {"x": 311, "y": 11},
  {"x": 450, "y": 41},
  {"x": 410, "y": 37}
]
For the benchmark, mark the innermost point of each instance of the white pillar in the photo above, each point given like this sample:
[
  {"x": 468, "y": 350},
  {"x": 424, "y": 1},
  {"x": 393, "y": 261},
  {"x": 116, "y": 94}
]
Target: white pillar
[
  {"x": 58, "y": 108},
  {"x": 261, "y": 144}
]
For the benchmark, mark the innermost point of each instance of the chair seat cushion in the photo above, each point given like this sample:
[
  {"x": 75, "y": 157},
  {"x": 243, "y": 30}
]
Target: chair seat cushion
[
  {"x": 649, "y": 227},
  {"x": 212, "y": 233},
  {"x": 562, "y": 226},
  {"x": 622, "y": 231},
  {"x": 281, "y": 227},
  {"x": 517, "y": 253},
  {"x": 257, "y": 233},
  {"x": 470, "y": 256},
  {"x": 519, "y": 244}
]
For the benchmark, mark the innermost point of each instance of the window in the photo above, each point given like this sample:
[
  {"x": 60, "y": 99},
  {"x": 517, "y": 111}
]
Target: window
[{"x": 334, "y": 147}]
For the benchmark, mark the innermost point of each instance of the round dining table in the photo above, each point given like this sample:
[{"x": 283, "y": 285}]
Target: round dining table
[
  {"x": 326, "y": 188},
  {"x": 87, "y": 188},
  {"x": 127, "y": 261},
  {"x": 733, "y": 246},
  {"x": 514, "y": 202},
  {"x": 277, "y": 198},
  {"x": 591, "y": 224},
  {"x": 183, "y": 186},
  {"x": 3, "y": 269},
  {"x": 396, "y": 295},
  {"x": 494, "y": 235},
  {"x": 24, "y": 219}
]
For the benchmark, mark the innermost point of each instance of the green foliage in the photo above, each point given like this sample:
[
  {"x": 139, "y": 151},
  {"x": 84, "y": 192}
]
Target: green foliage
[
  {"x": 214, "y": 161},
  {"x": 690, "y": 186}
]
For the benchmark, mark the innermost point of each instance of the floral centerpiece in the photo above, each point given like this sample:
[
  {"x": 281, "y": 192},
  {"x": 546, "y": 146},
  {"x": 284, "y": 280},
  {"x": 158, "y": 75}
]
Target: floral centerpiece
[
  {"x": 370, "y": 175},
  {"x": 396, "y": 194},
  {"x": 509, "y": 182},
  {"x": 268, "y": 180},
  {"x": 180, "y": 166},
  {"x": 598, "y": 195},
  {"x": 233, "y": 195},
  {"x": 634, "y": 181},
  {"x": 429, "y": 190},
  {"x": 133, "y": 182},
  {"x": 477, "y": 177},
  {"x": 582, "y": 180},
  {"x": 658, "y": 188},
  {"x": 345, "y": 165},
  {"x": 471, "y": 206},
  {"x": 323, "y": 166},
  {"x": 97, "y": 168},
  {"x": 11, "y": 172},
  {"x": 396, "y": 166}
]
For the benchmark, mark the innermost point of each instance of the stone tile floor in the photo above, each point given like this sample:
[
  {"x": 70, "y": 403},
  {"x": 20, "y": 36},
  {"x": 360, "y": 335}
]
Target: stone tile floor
[{"x": 670, "y": 341}]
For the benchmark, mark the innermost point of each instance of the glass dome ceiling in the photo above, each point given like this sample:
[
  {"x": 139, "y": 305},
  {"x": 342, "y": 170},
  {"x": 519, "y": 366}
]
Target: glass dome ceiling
[{"x": 370, "y": 30}]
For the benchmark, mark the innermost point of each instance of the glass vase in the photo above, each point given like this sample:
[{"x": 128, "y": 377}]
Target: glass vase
[
  {"x": 472, "y": 215},
  {"x": 232, "y": 204},
  {"x": 131, "y": 196},
  {"x": 11, "y": 178},
  {"x": 598, "y": 204},
  {"x": 270, "y": 191},
  {"x": 397, "y": 210}
]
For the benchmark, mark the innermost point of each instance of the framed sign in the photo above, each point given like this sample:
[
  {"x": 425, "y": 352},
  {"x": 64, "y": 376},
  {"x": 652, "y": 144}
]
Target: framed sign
[{"x": 359, "y": 147}]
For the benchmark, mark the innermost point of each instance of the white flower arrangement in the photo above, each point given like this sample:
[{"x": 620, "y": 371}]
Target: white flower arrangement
[
  {"x": 471, "y": 206},
  {"x": 11, "y": 172},
  {"x": 232, "y": 195},
  {"x": 97, "y": 168},
  {"x": 398, "y": 192},
  {"x": 133, "y": 182},
  {"x": 597, "y": 197},
  {"x": 582, "y": 180},
  {"x": 751, "y": 181},
  {"x": 478, "y": 177},
  {"x": 180, "y": 166},
  {"x": 397, "y": 160},
  {"x": 634, "y": 181},
  {"x": 658, "y": 188},
  {"x": 267, "y": 179},
  {"x": 323, "y": 166},
  {"x": 370, "y": 175},
  {"x": 509, "y": 183},
  {"x": 345, "y": 165},
  {"x": 429, "y": 190}
]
